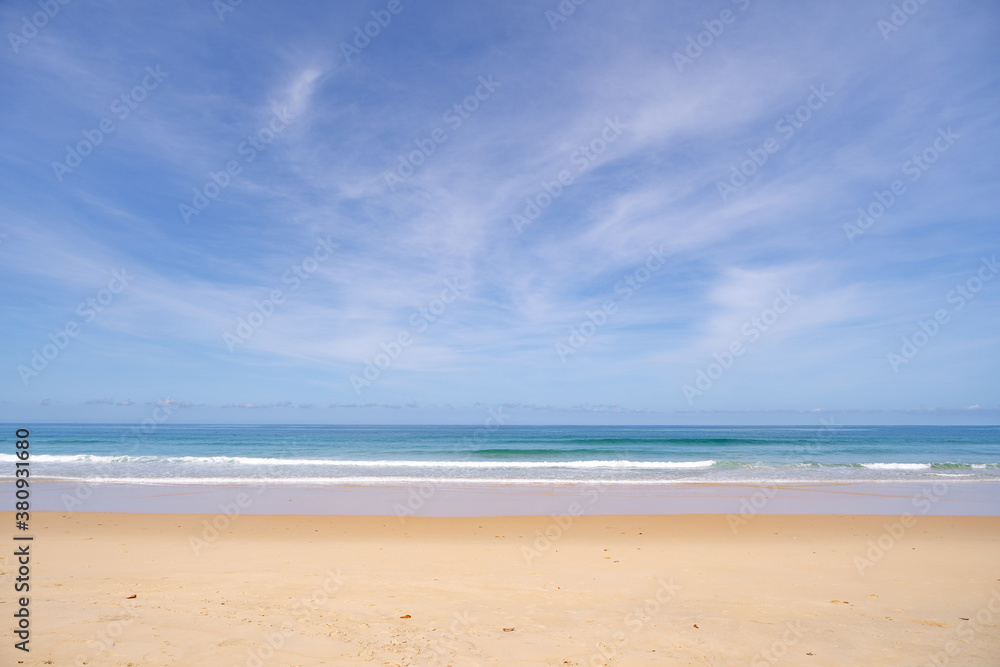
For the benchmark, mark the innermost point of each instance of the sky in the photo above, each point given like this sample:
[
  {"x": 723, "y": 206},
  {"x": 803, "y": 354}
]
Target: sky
[{"x": 577, "y": 212}]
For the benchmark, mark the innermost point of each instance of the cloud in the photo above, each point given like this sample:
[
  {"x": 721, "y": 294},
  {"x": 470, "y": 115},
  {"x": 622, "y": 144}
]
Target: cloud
[
  {"x": 172, "y": 403},
  {"x": 655, "y": 185},
  {"x": 101, "y": 401}
]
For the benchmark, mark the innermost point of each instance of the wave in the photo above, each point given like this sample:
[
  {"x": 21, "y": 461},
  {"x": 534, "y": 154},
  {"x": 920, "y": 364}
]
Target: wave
[
  {"x": 621, "y": 464},
  {"x": 896, "y": 466},
  {"x": 502, "y": 452},
  {"x": 661, "y": 441},
  {"x": 250, "y": 461},
  {"x": 262, "y": 482}
]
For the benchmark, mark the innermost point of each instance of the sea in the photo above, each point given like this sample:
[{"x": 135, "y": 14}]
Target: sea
[{"x": 353, "y": 454}]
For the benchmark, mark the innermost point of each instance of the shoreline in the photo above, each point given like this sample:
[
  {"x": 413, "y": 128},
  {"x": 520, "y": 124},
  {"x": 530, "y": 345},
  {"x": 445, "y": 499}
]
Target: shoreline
[
  {"x": 286, "y": 590},
  {"x": 397, "y": 481},
  {"x": 457, "y": 499}
]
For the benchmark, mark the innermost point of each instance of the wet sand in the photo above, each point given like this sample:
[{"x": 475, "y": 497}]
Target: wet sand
[{"x": 471, "y": 499}]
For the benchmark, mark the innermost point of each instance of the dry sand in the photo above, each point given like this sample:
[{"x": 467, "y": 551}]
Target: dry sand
[{"x": 610, "y": 590}]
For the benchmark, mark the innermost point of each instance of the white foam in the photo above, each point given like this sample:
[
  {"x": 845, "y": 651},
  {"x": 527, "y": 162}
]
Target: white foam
[
  {"x": 896, "y": 466},
  {"x": 249, "y": 461},
  {"x": 258, "y": 482}
]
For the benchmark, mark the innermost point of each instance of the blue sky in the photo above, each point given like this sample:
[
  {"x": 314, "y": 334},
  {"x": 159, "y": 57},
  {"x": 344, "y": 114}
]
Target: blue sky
[{"x": 597, "y": 213}]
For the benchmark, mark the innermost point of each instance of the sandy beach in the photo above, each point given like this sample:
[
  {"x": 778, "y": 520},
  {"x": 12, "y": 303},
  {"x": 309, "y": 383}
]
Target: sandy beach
[{"x": 596, "y": 590}]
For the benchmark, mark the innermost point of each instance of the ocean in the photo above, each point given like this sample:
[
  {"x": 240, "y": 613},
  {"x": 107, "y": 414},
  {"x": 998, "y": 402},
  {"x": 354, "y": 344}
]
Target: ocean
[{"x": 295, "y": 454}]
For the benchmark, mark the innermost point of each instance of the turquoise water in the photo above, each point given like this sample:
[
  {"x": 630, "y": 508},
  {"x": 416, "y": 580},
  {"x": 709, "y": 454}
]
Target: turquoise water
[{"x": 638, "y": 454}]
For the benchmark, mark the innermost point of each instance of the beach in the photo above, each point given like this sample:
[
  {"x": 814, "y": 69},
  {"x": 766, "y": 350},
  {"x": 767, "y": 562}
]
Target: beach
[
  {"x": 532, "y": 590},
  {"x": 500, "y": 334},
  {"x": 288, "y": 545}
]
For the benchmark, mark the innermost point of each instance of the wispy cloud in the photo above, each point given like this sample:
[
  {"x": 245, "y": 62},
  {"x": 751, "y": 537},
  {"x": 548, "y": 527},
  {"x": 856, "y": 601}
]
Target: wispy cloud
[{"x": 654, "y": 185}]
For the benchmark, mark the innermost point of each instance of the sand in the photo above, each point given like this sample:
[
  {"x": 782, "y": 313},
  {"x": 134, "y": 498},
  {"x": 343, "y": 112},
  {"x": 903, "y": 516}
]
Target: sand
[{"x": 606, "y": 590}]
